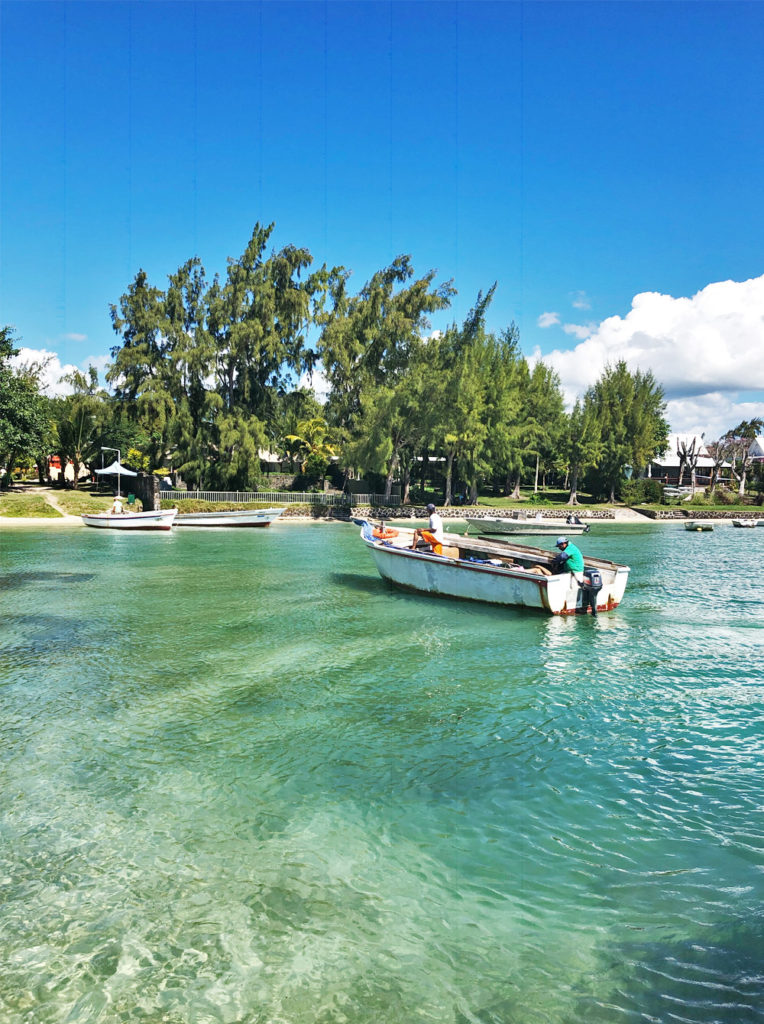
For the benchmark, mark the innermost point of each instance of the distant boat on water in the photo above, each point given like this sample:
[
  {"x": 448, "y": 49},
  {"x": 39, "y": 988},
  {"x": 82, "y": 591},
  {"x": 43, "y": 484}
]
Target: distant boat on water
[
  {"x": 243, "y": 517},
  {"x": 518, "y": 525},
  {"x": 697, "y": 527}
]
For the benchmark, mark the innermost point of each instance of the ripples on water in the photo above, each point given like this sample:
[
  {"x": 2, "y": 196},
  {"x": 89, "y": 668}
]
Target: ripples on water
[{"x": 243, "y": 780}]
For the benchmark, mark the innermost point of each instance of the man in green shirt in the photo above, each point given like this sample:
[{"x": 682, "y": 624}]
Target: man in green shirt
[{"x": 569, "y": 559}]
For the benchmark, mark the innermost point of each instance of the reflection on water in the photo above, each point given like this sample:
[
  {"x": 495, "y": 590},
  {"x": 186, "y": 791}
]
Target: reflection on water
[{"x": 244, "y": 780}]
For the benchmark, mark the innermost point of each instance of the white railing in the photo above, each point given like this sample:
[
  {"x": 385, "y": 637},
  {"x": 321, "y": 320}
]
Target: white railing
[
  {"x": 374, "y": 499},
  {"x": 283, "y": 497}
]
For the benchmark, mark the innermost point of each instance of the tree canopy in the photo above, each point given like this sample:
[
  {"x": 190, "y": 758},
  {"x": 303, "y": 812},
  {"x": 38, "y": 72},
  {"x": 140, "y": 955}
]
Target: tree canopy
[{"x": 208, "y": 372}]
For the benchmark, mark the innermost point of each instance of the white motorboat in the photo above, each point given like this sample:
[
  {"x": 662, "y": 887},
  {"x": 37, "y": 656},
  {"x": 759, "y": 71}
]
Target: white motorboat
[
  {"x": 498, "y": 573},
  {"x": 518, "y": 526},
  {"x": 159, "y": 520},
  {"x": 244, "y": 517},
  {"x": 695, "y": 527},
  {"x": 745, "y": 524}
]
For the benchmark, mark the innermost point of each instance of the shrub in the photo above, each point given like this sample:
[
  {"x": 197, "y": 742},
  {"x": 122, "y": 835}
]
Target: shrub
[{"x": 635, "y": 492}]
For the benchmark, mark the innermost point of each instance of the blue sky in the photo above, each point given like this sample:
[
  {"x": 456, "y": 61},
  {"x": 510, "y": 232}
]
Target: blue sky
[{"x": 579, "y": 154}]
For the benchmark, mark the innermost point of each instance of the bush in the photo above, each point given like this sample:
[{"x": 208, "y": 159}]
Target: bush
[
  {"x": 699, "y": 498},
  {"x": 724, "y": 497},
  {"x": 637, "y": 492}
]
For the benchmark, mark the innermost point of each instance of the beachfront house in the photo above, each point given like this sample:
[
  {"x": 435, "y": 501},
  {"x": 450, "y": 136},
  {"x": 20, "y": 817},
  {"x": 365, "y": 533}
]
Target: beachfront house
[
  {"x": 680, "y": 448},
  {"x": 756, "y": 451}
]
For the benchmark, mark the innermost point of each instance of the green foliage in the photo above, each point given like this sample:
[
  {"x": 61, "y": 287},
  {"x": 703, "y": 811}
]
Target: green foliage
[
  {"x": 136, "y": 460},
  {"x": 207, "y": 372},
  {"x": 629, "y": 408},
  {"x": 24, "y": 425},
  {"x": 371, "y": 350},
  {"x": 700, "y": 498},
  {"x": 79, "y": 420},
  {"x": 642, "y": 491}
]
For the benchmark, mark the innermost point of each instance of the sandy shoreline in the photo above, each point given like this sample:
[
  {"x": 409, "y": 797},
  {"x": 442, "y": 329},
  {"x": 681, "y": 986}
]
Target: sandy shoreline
[{"x": 620, "y": 515}]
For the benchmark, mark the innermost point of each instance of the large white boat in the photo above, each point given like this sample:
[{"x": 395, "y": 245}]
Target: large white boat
[
  {"x": 244, "y": 517},
  {"x": 498, "y": 573},
  {"x": 159, "y": 520},
  {"x": 518, "y": 525}
]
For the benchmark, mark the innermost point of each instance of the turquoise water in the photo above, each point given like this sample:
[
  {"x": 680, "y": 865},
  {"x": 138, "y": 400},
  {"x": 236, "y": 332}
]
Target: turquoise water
[{"x": 244, "y": 781}]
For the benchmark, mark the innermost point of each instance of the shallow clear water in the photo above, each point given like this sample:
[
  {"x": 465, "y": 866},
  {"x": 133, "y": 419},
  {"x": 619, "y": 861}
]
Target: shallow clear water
[{"x": 244, "y": 781}]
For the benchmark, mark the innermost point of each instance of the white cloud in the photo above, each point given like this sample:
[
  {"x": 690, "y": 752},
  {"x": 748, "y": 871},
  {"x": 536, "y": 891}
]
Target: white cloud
[
  {"x": 580, "y": 300},
  {"x": 76, "y": 337},
  {"x": 704, "y": 350},
  {"x": 548, "y": 319},
  {"x": 52, "y": 369},
  {"x": 579, "y": 330}
]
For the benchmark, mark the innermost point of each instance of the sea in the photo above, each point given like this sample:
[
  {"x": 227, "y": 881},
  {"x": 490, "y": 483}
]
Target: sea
[{"x": 244, "y": 781}]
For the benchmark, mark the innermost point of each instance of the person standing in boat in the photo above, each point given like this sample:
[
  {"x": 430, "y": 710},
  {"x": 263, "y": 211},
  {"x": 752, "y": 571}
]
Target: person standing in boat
[{"x": 433, "y": 536}]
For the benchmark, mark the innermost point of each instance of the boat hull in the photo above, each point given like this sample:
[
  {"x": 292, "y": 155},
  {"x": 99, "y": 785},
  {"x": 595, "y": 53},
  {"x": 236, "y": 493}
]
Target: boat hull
[
  {"x": 245, "y": 518},
  {"x": 527, "y": 528},
  {"x": 459, "y": 577},
  {"x": 745, "y": 524},
  {"x": 131, "y": 520}
]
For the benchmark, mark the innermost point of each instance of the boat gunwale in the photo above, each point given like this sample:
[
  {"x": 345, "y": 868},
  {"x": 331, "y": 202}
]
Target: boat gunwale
[{"x": 499, "y": 548}]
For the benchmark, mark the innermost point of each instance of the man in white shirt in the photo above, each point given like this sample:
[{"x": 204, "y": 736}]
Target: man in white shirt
[{"x": 431, "y": 538}]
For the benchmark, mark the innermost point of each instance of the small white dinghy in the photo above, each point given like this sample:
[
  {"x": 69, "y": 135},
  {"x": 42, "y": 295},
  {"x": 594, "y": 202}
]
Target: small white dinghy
[
  {"x": 160, "y": 520},
  {"x": 744, "y": 524}
]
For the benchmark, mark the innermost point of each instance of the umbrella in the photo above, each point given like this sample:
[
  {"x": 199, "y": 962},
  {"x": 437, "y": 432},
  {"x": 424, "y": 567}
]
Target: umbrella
[
  {"x": 115, "y": 467},
  {"x": 120, "y": 470}
]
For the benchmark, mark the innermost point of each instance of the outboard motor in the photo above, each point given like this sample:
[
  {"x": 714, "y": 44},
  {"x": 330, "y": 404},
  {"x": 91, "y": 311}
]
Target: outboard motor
[{"x": 591, "y": 587}]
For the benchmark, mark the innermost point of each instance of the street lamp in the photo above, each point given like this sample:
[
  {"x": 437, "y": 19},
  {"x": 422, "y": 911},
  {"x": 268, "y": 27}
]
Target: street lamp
[{"x": 106, "y": 448}]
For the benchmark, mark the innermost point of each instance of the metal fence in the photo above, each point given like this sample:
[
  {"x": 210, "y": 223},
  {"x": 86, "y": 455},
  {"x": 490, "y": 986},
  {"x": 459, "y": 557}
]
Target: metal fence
[{"x": 283, "y": 497}]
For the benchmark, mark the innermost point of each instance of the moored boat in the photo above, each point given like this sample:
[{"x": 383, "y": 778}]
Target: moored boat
[
  {"x": 519, "y": 526},
  {"x": 745, "y": 524},
  {"x": 159, "y": 520},
  {"x": 243, "y": 517},
  {"x": 697, "y": 527},
  {"x": 497, "y": 573}
]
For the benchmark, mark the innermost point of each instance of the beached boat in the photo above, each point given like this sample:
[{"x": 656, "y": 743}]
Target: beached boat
[
  {"x": 696, "y": 527},
  {"x": 497, "y": 573},
  {"x": 244, "y": 517},
  {"x": 745, "y": 524},
  {"x": 518, "y": 526},
  {"x": 160, "y": 520}
]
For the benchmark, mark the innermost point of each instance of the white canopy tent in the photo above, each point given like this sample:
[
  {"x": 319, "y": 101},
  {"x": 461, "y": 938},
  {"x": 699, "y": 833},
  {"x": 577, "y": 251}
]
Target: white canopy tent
[{"x": 116, "y": 469}]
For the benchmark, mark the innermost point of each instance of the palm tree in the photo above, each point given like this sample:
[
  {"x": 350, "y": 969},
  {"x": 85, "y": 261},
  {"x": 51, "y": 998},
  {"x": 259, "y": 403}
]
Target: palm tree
[{"x": 311, "y": 445}]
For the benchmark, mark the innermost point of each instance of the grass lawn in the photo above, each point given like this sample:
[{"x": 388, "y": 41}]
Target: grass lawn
[
  {"x": 543, "y": 499},
  {"x": 77, "y": 502},
  {"x": 19, "y": 505}
]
